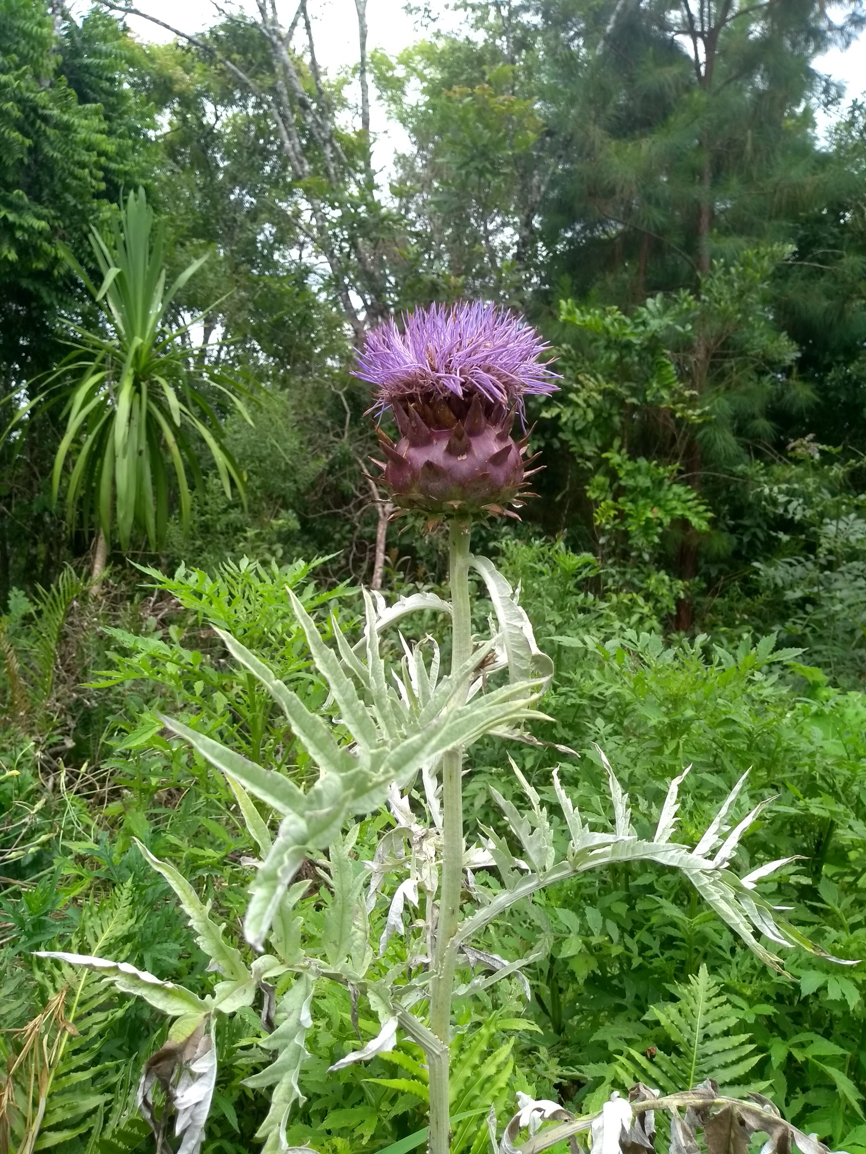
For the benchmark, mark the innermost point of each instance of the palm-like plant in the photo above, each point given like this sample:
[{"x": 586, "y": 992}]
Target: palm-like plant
[{"x": 135, "y": 394}]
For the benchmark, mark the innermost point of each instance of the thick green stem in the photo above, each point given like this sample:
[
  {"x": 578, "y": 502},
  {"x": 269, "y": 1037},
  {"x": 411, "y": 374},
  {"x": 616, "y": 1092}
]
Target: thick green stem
[{"x": 444, "y": 959}]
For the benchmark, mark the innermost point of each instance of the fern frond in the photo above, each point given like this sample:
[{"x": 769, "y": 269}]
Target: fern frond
[
  {"x": 701, "y": 1025},
  {"x": 480, "y": 1078},
  {"x": 57, "y": 1087},
  {"x": 52, "y": 607}
]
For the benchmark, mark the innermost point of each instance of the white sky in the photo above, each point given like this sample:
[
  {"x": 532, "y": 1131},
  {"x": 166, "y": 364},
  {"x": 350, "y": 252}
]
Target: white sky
[
  {"x": 392, "y": 30},
  {"x": 335, "y": 21}
]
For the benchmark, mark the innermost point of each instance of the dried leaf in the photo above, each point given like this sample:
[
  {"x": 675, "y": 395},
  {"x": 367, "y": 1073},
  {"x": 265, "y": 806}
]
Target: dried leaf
[
  {"x": 530, "y": 1115},
  {"x": 406, "y": 891},
  {"x": 186, "y": 1070},
  {"x": 725, "y": 1132},
  {"x": 683, "y": 1140},
  {"x": 641, "y": 1135}
]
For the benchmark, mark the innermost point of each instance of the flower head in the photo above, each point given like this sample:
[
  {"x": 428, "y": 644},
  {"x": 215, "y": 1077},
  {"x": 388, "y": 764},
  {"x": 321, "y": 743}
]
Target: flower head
[
  {"x": 454, "y": 379},
  {"x": 455, "y": 351}
]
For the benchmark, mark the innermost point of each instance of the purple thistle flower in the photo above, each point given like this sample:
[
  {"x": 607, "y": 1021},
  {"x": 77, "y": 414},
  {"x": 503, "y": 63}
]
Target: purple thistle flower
[
  {"x": 447, "y": 352},
  {"x": 454, "y": 378}
]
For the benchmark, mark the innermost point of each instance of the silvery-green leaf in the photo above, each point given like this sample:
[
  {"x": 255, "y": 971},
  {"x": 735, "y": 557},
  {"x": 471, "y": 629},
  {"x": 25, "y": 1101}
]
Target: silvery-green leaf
[
  {"x": 406, "y": 891},
  {"x": 462, "y": 726},
  {"x": 712, "y": 837},
  {"x": 731, "y": 842},
  {"x": 569, "y": 811},
  {"x": 535, "y": 837},
  {"x": 376, "y": 671},
  {"x": 229, "y": 997},
  {"x": 266, "y": 784},
  {"x": 719, "y": 897},
  {"x": 282, "y": 1074},
  {"x": 424, "y": 680},
  {"x": 270, "y": 882},
  {"x": 309, "y": 727},
  {"x": 761, "y": 918},
  {"x": 507, "y": 864},
  {"x": 540, "y": 846},
  {"x": 207, "y": 933},
  {"x": 383, "y": 1043},
  {"x": 253, "y": 820},
  {"x": 621, "y": 812},
  {"x": 286, "y": 927},
  {"x": 751, "y": 879},
  {"x": 501, "y": 968},
  {"x": 454, "y": 685},
  {"x": 353, "y": 712},
  {"x": 527, "y": 739},
  {"x": 165, "y": 996},
  {"x": 343, "y": 917},
  {"x": 384, "y": 615},
  {"x": 349, "y": 657},
  {"x": 432, "y": 792},
  {"x": 525, "y": 660},
  {"x": 668, "y": 818}
]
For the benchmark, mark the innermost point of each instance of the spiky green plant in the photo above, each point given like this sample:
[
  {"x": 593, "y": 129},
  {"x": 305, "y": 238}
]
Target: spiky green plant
[{"x": 134, "y": 395}]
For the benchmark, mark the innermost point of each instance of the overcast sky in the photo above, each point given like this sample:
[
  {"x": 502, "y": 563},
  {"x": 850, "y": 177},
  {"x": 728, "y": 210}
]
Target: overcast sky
[{"x": 391, "y": 29}]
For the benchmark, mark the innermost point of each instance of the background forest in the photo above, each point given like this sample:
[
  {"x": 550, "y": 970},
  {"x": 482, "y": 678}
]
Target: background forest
[{"x": 646, "y": 181}]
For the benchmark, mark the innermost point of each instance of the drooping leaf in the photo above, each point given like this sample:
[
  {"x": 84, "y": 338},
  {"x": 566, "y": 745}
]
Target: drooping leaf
[{"x": 165, "y": 996}]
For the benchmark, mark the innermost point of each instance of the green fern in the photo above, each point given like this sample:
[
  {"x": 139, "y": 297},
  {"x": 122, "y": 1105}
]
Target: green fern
[
  {"x": 481, "y": 1077},
  {"x": 56, "y": 1088},
  {"x": 52, "y": 606},
  {"x": 30, "y": 662},
  {"x": 701, "y": 1024}
]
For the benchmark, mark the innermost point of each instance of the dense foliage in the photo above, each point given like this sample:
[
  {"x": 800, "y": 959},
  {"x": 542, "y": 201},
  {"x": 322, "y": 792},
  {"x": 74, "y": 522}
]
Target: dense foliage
[{"x": 649, "y": 183}]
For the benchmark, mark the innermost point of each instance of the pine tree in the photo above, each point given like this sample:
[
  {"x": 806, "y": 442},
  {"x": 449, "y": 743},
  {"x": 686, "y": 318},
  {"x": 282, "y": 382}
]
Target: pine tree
[{"x": 692, "y": 129}]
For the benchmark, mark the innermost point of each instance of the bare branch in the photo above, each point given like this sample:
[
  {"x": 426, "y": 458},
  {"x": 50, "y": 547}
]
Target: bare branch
[
  {"x": 201, "y": 44},
  {"x": 284, "y": 102},
  {"x": 290, "y": 31},
  {"x": 363, "y": 80}
]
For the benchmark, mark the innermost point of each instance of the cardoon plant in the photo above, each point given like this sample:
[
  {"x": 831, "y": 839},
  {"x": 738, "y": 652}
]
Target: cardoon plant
[{"x": 455, "y": 380}]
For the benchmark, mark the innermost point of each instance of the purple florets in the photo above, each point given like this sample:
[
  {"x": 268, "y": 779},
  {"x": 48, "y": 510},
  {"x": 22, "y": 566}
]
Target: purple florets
[{"x": 455, "y": 351}]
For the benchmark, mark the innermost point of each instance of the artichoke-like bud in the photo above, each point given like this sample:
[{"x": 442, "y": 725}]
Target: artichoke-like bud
[
  {"x": 454, "y": 458},
  {"x": 454, "y": 378}
]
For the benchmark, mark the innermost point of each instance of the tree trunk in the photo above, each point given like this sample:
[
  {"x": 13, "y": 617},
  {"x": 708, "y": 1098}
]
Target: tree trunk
[{"x": 100, "y": 556}]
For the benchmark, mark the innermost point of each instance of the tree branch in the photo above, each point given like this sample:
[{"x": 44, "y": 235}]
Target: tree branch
[{"x": 361, "y": 9}]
